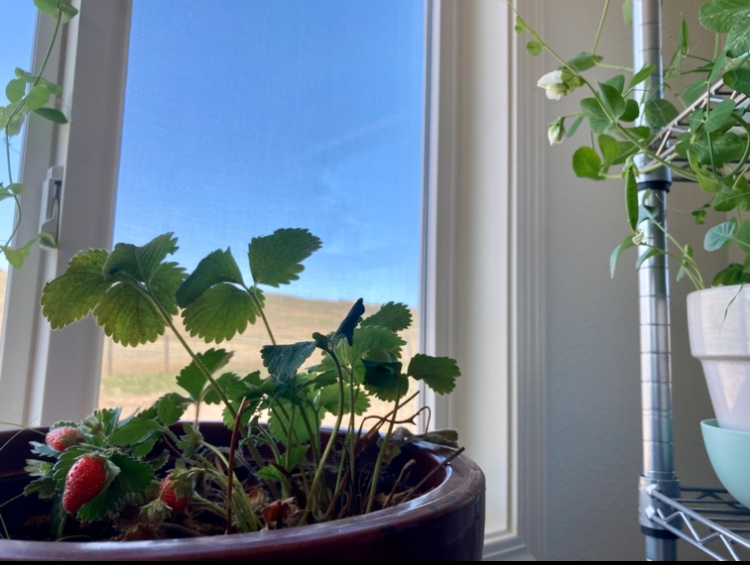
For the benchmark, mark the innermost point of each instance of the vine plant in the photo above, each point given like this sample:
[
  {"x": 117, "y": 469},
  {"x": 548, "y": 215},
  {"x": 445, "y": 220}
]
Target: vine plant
[
  {"x": 27, "y": 93},
  {"x": 716, "y": 146}
]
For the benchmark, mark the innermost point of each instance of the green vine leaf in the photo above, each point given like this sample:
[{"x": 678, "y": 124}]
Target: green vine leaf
[
  {"x": 626, "y": 244},
  {"x": 598, "y": 120},
  {"x": 726, "y": 148},
  {"x": 694, "y": 91},
  {"x": 641, "y": 76},
  {"x": 72, "y": 296},
  {"x": 720, "y": 236},
  {"x": 738, "y": 39},
  {"x": 627, "y": 12},
  {"x": 221, "y": 312},
  {"x": 610, "y": 149},
  {"x": 612, "y": 100},
  {"x": 587, "y": 164},
  {"x": 739, "y": 80},
  {"x": 660, "y": 112},
  {"x": 52, "y": 115},
  {"x": 283, "y": 361},
  {"x": 218, "y": 267},
  {"x": 534, "y": 48},
  {"x": 439, "y": 373},
  {"x": 719, "y": 16},
  {"x": 276, "y": 259},
  {"x": 732, "y": 275},
  {"x": 15, "y": 90},
  {"x": 395, "y": 316},
  {"x": 37, "y": 97},
  {"x": 718, "y": 115},
  {"x": 584, "y": 61},
  {"x": 54, "y": 7}
]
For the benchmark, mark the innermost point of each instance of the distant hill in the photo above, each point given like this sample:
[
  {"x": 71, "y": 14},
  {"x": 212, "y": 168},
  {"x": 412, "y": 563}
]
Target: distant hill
[{"x": 133, "y": 378}]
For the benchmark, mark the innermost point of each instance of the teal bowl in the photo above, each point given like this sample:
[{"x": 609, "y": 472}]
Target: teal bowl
[{"x": 729, "y": 453}]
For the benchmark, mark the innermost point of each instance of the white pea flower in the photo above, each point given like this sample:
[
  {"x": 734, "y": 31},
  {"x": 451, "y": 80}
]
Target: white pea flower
[
  {"x": 556, "y": 131},
  {"x": 554, "y": 84}
]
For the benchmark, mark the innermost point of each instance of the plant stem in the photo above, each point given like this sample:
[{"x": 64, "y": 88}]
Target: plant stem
[
  {"x": 381, "y": 455},
  {"x": 254, "y": 296},
  {"x": 332, "y": 439},
  {"x": 601, "y": 27}
]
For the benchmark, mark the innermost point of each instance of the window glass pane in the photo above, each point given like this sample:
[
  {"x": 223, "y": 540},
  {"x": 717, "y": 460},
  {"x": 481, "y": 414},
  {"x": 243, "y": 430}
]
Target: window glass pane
[
  {"x": 19, "y": 19},
  {"x": 243, "y": 117}
]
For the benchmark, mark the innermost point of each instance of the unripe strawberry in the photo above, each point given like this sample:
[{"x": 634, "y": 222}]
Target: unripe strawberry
[
  {"x": 175, "y": 493},
  {"x": 62, "y": 438},
  {"x": 85, "y": 481}
]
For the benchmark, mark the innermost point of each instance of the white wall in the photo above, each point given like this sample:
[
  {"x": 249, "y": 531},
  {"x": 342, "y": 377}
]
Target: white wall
[{"x": 593, "y": 427}]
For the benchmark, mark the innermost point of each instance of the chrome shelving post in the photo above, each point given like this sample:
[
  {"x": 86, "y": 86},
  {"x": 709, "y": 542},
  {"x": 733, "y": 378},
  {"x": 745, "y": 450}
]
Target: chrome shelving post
[{"x": 656, "y": 379}]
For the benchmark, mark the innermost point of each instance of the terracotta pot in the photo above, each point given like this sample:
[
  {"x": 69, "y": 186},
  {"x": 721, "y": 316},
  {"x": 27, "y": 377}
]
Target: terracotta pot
[{"x": 445, "y": 524}]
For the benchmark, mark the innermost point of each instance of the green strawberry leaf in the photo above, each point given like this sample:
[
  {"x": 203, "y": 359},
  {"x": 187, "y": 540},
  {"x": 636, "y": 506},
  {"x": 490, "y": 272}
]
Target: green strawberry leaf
[
  {"x": 230, "y": 384},
  {"x": 283, "y": 361},
  {"x": 221, "y": 312},
  {"x": 164, "y": 284},
  {"x": 276, "y": 259},
  {"x": 371, "y": 339},
  {"x": 394, "y": 316},
  {"x": 385, "y": 380},
  {"x": 346, "y": 328},
  {"x": 439, "y": 373},
  {"x": 329, "y": 400},
  {"x": 128, "y": 316},
  {"x": 193, "y": 380},
  {"x": 171, "y": 407},
  {"x": 133, "y": 431},
  {"x": 73, "y": 295},
  {"x": 278, "y": 422},
  {"x": 218, "y": 267},
  {"x": 134, "y": 475}
]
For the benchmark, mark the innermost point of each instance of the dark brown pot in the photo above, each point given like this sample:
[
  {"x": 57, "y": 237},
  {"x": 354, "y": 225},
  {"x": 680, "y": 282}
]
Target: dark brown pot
[{"x": 445, "y": 524}]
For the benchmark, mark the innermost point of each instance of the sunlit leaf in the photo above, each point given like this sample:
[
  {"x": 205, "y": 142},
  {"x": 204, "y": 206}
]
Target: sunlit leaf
[
  {"x": 276, "y": 259},
  {"x": 73, "y": 295},
  {"x": 438, "y": 373}
]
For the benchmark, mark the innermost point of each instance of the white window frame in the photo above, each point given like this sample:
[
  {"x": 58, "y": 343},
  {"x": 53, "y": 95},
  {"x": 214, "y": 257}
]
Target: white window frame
[{"x": 483, "y": 283}]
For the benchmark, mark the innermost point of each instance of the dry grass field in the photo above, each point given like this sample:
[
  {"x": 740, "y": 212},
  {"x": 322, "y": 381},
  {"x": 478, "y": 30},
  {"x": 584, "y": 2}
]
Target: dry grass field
[{"x": 133, "y": 378}]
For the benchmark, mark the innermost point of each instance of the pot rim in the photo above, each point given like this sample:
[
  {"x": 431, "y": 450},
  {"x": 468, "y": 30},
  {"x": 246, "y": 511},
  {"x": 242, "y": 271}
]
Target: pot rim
[{"x": 463, "y": 482}]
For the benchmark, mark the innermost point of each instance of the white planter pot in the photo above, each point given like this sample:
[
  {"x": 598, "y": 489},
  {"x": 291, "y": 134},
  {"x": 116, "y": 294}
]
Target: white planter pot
[{"x": 720, "y": 339}]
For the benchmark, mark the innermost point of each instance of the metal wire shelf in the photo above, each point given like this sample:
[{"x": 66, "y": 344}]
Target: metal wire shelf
[{"x": 706, "y": 518}]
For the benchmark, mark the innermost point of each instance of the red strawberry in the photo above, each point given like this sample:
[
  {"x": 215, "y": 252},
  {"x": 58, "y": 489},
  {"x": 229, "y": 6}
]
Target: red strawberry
[
  {"x": 175, "y": 493},
  {"x": 86, "y": 479},
  {"x": 62, "y": 438}
]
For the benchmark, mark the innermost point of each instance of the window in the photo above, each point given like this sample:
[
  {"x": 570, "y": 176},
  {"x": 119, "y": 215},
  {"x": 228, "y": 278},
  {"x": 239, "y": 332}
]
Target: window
[{"x": 481, "y": 239}]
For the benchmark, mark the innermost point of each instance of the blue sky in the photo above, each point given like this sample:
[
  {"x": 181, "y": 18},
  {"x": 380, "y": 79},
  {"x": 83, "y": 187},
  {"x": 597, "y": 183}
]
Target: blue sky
[
  {"x": 243, "y": 117},
  {"x": 19, "y": 19}
]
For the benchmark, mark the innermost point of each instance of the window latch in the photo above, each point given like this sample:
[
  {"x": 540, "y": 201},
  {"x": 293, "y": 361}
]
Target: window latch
[{"x": 51, "y": 198}]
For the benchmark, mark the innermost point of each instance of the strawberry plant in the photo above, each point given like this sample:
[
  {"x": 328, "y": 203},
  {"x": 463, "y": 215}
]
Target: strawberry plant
[{"x": 152, "y": 476}]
